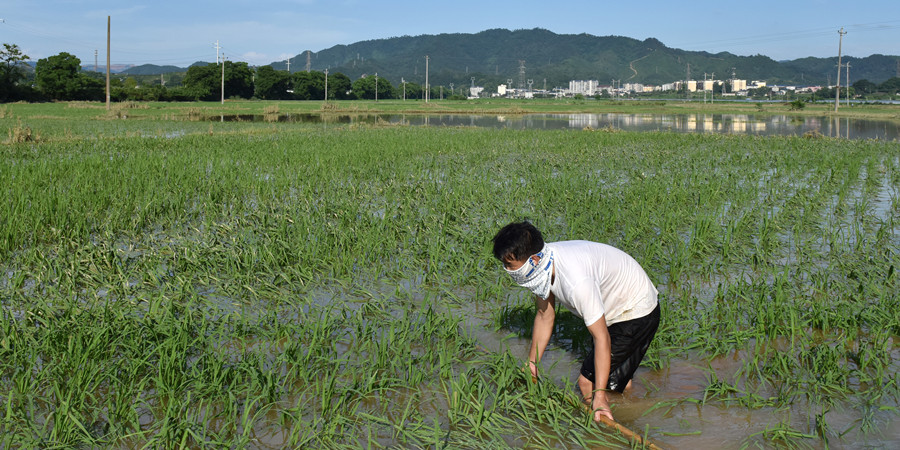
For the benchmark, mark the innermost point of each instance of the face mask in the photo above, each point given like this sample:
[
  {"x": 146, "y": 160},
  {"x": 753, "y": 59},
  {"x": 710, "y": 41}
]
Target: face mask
[{"x": 535, "y": 277}]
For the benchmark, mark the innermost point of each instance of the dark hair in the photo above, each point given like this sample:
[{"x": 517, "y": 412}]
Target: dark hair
[{"x": 518, "y": 240}]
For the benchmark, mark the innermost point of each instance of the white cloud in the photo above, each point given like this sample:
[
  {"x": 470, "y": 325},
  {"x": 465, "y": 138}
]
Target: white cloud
[{"x": 255, "y": 59}]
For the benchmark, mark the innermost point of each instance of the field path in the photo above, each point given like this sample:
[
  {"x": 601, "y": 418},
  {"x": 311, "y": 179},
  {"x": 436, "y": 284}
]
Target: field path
[{"x": 631, "y": 65}]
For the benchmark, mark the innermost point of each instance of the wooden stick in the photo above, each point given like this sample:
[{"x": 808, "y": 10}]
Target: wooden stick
[
  {"x": 612, "y": 424},
  {"x": 630, "y": 435}
]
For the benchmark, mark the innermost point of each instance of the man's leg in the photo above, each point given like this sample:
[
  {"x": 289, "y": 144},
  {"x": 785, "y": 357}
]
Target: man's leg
[
  {"x": 630, "y": 341},
  {"x": 587, "y": 389}
]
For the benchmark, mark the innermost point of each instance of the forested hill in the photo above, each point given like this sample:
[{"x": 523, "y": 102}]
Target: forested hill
[{"x": 497, "y": 56}]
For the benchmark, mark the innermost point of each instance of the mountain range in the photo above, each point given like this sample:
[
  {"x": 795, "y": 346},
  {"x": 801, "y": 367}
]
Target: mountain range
[{"x": 546, "y": 59}]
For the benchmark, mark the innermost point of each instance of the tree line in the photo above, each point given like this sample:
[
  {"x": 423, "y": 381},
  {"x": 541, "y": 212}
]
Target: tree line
[{"x": 60, "y": 77}]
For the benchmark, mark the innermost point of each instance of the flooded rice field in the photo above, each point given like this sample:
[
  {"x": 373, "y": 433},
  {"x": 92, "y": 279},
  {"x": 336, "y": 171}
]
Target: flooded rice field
[
  {"x": 333, "y": 288},
  {"x": 742, "y": 124}
]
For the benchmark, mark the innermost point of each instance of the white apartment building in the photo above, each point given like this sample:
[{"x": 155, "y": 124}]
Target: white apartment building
[
  {"x": 588, "y": 87},
  {"x": 633, "y": 87}
]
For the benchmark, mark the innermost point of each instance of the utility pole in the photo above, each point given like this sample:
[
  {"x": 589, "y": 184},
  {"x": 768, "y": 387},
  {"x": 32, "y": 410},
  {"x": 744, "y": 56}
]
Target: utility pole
[
  {"x": 837, "y": 89},
  {"x": 426, "y": 79},
  {"x": 712, "y": 93},
  {"x": 452, "y": 92},
  {"x": 376, "y": 86},
  {"x": 217, "y": 51},
  {"x": 223, "y": 78},
  {"x": 848, "y": 83},
  {"x": 95, "y": 62},
  {"x": 107, "y": 62},
  {"x": 326, "y": 85},
  {"x": 403, "y": 82}
]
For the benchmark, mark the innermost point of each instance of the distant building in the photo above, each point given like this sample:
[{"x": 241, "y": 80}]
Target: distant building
[
  {"x": 678, "y": 85},
  {"x": 633, "y": 87},
  {"x": 589, "y": 87}
]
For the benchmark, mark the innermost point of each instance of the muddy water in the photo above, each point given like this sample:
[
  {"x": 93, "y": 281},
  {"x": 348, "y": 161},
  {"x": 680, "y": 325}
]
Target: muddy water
[{"x": 667, "y": 405}]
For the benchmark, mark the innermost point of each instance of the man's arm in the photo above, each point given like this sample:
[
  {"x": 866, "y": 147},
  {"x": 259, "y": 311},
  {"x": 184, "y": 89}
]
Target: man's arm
[
  {"x": 602, "y": 356},
  {"x": 540, "y": 333}
]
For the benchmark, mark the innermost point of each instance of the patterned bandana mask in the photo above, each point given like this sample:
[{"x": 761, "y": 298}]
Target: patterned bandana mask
[{"x": 535, "y": 277}]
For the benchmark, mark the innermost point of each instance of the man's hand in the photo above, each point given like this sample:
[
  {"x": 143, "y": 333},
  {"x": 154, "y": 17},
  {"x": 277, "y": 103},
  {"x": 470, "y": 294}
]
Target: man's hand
[{"x": 601, "y": 408}]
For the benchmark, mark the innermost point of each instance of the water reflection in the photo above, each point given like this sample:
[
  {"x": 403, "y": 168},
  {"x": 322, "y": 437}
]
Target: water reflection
[{"x": 745, "y": 124}]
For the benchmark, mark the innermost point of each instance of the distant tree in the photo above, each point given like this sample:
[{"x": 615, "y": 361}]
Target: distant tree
[
  {"x": 758, "y": 93},
  {"x": 865, "y": 86},
  {"x": 205, "y": 82},
  {"x": 201, "y": 81},
  {"x": 271, "y": 84},
  {"x": 364, "y": 88},
  {"x": 891, "y": 86},
  {"x": 825, "y": 93},
  {"x": 59, "y": 78},
  {"x": 309, "y": 85},
  {"x": 414, "y": 91},
  {"x": 11, "y": 72},
  {"x": 339, "y": 86}
]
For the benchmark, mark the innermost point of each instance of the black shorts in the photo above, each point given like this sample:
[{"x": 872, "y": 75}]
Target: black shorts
[{"x": 629, "y": 341}]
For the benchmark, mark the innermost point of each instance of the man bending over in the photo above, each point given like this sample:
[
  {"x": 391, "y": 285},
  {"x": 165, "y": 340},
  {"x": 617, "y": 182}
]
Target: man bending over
[{"x": 599, "y": 283}]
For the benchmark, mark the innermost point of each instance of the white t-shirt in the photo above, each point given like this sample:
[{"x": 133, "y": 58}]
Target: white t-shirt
[{"x": 593, "y": 279}]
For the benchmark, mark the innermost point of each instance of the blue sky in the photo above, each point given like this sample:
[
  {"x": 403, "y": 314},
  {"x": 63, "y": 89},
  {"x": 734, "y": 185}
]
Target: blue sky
[{"x": 260, "y": 32}]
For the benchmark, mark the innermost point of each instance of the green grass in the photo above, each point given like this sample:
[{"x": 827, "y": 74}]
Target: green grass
[{"x": 167, "y": 282}]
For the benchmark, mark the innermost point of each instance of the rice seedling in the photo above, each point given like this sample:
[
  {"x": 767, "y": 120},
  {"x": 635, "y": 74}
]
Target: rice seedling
[{"x": 271, "y": 285}]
